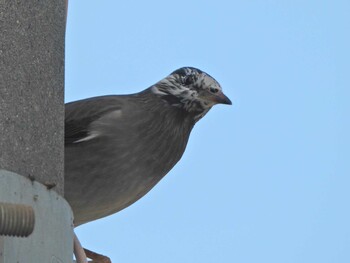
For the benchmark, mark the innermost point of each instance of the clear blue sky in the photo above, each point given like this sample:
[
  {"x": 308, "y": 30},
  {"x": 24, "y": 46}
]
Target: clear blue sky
[{"x": 265, "y": 180}]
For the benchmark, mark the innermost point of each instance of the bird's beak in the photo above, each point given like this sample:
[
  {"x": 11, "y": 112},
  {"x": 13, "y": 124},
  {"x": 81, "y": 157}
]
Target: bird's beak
[
  {"x": 217, "y": 98},
  {"x": 221, "y": 98}
]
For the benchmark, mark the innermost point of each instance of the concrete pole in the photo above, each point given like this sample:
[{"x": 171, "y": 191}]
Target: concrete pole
[{"x": 32, "y": 37}]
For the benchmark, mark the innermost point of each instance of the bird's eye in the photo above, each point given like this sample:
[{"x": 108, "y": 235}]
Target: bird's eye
[{"x": 214, "y": 90}]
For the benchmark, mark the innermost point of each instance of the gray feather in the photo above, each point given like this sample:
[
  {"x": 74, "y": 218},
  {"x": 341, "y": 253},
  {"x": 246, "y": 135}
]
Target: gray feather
[
  {"x": 133, "y": 151},
  {"x": 118, "y": 147}
]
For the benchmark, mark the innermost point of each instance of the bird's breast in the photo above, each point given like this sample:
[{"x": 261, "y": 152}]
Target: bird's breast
[{"x": 111, "y": 172}]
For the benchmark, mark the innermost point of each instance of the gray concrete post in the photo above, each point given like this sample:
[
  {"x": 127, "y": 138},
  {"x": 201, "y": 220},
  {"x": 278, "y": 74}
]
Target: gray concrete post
[
  {"x": 32, "y": 36},
  {"x": 31, "y": 89}
]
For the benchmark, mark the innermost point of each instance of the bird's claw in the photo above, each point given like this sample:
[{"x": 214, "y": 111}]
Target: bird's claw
[{"x": 96, "y": 258}]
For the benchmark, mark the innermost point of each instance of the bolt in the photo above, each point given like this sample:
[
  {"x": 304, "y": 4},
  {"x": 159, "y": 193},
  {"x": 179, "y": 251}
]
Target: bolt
[{"x": 16, "y": 220}]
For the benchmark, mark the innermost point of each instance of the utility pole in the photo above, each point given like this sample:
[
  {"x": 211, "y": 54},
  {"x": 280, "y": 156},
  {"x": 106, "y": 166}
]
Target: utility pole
[{"x": 35, "y": 220}]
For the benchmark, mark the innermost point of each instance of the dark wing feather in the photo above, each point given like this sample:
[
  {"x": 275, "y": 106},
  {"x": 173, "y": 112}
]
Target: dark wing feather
[{"x": 80, "y": 114}]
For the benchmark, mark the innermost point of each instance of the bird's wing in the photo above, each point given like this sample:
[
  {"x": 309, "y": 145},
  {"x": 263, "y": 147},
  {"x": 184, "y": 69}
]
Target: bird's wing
[{"x": 80, "y": 117}]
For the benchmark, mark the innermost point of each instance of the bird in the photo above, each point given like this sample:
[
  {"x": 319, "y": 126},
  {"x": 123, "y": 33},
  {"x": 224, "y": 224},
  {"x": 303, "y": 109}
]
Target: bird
[{"x": 118, "y": 147}]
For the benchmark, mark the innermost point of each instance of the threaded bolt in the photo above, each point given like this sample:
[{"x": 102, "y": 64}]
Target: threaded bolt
[{"x": 16, "y": 220}]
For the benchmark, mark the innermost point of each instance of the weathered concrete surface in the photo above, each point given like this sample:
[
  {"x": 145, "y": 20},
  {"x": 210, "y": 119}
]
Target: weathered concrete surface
[{"x": 31, "y": 88}]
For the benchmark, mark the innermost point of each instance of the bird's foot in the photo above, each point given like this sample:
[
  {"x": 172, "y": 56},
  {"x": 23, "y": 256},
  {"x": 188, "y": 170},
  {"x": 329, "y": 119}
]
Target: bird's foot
[
  {"x": 78, "y": 251},
  {"x": 96, "y": 258}
]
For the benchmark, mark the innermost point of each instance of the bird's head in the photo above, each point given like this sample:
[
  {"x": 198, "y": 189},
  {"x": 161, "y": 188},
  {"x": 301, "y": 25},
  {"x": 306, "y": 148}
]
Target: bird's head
[{"x": 192, "y": 90}]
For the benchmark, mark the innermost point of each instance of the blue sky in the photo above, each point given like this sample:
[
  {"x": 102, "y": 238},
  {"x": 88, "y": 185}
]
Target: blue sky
[{"x": 264, "y": 180}]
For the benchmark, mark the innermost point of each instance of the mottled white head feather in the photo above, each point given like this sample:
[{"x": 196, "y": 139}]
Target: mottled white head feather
[{"x": 192, "y": 90}]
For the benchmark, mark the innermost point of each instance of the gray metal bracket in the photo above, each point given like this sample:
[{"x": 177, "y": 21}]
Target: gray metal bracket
[{"x": 52, "y": 237}]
